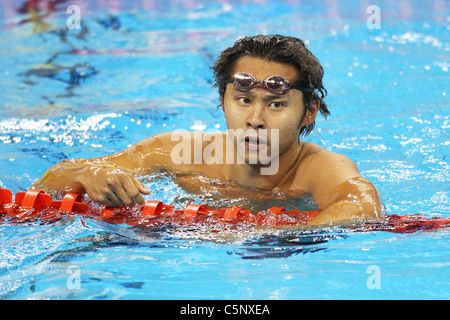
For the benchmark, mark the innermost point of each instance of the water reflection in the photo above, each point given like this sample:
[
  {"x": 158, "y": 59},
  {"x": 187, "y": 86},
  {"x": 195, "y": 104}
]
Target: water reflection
[
  {"x": 287, "y": 243},
  {"x": 73, "y": 76}
]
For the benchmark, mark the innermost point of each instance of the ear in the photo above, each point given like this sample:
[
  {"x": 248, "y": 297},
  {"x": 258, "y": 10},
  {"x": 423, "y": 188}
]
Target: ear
[{"x": 311, "y": 114}]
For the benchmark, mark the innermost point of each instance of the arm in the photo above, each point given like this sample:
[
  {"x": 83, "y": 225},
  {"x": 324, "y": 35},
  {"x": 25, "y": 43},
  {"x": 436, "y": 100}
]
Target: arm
[
  {"x": 340, "y": 191},
  {"x": 110, "y": 180}
]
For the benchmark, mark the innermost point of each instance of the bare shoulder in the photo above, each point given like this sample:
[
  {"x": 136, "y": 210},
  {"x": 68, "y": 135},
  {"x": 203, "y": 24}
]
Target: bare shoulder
[
  {"x": 320, "y": 168},
  {"x": 319, "y": 158},
  {"x": 334, "y": 178}
]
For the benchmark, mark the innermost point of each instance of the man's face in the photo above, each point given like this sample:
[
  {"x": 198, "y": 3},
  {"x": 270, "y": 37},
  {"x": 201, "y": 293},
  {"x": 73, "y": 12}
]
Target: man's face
[{"x": 259, "y": 109}]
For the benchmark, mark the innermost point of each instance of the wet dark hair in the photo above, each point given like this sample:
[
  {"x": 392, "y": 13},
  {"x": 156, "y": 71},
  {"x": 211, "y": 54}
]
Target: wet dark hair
[{"x": 281, "y": 49}]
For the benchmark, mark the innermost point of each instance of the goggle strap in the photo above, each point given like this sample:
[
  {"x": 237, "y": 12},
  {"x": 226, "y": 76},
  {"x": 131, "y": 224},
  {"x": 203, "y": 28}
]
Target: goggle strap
[{"x": 297, "y": 86}]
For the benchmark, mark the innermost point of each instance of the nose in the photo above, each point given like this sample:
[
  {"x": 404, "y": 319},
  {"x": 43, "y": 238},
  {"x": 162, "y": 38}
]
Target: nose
[{"x": 255, "y": 119}]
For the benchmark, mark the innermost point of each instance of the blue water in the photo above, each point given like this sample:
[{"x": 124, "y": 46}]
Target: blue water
[{"x": 137, "y": 69}]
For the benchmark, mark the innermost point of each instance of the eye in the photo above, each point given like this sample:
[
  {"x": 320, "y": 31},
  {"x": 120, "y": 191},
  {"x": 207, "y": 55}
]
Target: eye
[
  {"x": 276, "y": 104},
  {"x": 244, "y": 100}
]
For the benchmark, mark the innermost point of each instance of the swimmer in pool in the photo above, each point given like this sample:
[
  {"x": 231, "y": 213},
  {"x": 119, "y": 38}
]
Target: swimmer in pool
[{"x": 270, "y": 91}]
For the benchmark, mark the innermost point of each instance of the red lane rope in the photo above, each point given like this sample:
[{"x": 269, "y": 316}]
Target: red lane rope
[{"x": 36, "y": 205}]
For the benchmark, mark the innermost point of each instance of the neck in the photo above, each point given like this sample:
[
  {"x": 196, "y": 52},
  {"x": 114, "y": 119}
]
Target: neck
[{"x": 250, "y": 176}]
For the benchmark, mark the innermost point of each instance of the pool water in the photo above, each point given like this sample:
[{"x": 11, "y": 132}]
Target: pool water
[{"x": 138, "y": 68}]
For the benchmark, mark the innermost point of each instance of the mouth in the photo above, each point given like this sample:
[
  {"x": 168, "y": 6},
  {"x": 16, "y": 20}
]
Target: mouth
[{"x": 254, "y": 143}]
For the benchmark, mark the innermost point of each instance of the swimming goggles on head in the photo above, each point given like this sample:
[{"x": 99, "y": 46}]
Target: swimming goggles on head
[{"x": 274, "y": 84}]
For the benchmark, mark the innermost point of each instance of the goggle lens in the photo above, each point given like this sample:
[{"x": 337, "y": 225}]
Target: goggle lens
[
  {"x": 276, "y": 83},
  {"x": 244, "y": 81}
]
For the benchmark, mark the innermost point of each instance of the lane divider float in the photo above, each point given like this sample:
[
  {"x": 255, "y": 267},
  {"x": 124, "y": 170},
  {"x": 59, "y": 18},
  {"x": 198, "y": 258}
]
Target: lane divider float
[{"x": 36, "y": 205}]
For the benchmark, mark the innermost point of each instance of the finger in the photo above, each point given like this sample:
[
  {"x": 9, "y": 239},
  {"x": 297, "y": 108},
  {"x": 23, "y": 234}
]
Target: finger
[
  {"x": 141, "y": 188},
  {"x": 121, "y": 196},
  {"x": 111, "y": 200},
  {"x": 101, "y": 196},
  {"x": 133, "y": 191},
  {"x": 106, "y": 200},
  {"x": 111, "y": 196}
]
